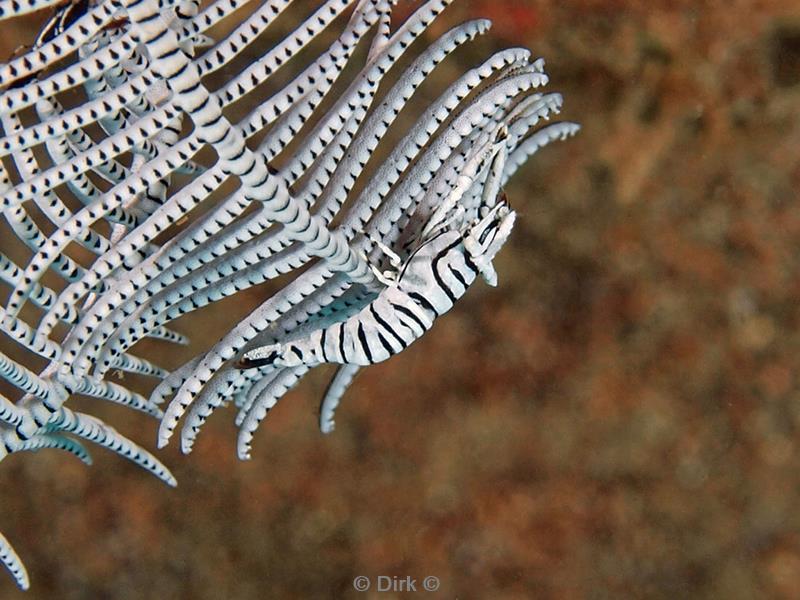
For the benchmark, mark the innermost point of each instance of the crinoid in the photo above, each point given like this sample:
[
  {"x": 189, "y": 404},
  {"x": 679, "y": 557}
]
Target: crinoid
[{"x": 119, "y": 122}]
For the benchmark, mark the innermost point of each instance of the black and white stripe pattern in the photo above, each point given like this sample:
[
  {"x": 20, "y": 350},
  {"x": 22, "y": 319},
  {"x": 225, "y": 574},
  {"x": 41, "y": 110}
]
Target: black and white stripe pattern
[{"x": 438, "y": 273}]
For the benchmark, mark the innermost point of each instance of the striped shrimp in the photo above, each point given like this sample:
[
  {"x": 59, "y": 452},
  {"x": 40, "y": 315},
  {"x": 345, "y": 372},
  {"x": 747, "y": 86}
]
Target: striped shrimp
[{"x": 432, "y": 279}]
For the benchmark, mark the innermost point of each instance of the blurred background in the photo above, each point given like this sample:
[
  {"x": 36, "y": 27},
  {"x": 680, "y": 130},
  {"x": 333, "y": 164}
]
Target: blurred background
[{"x": 619, "y": 418}]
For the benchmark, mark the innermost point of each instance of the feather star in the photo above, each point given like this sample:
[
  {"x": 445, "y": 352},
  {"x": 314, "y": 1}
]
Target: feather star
[{"x": 379, "y": 242}]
